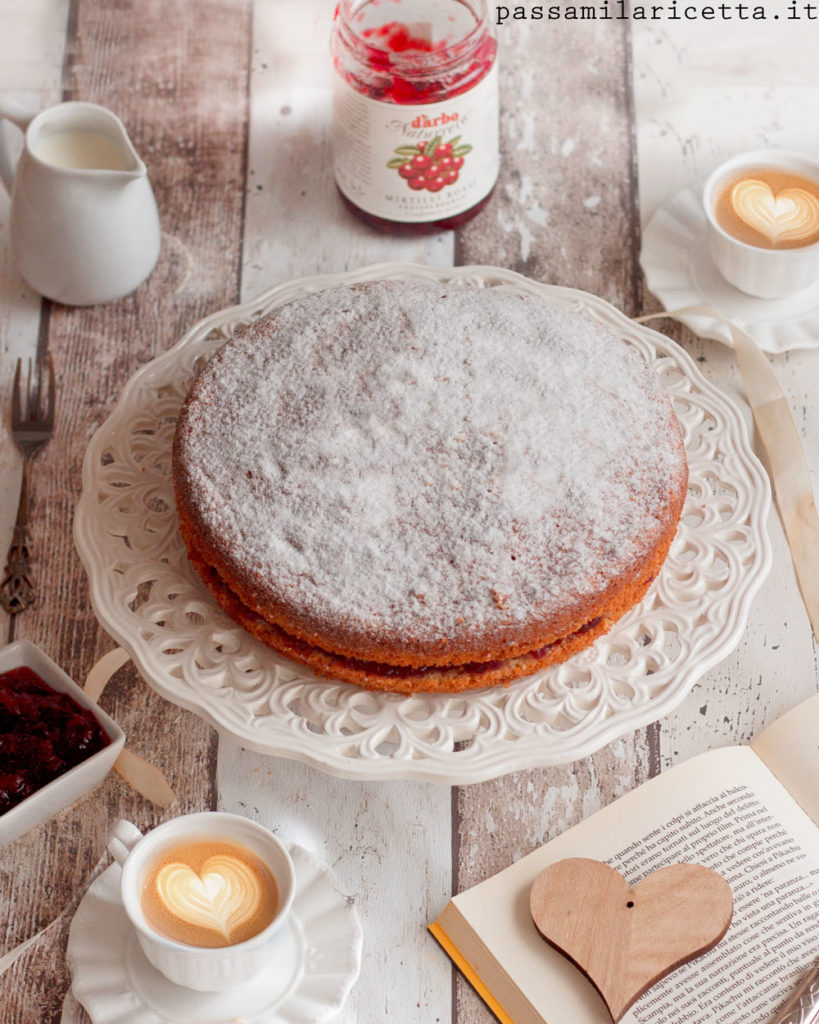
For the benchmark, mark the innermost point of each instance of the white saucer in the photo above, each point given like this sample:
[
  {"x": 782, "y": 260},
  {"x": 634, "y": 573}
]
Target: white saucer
[
  {"x": 309, "y": 982},
  {"x": 680, "y": 272}
]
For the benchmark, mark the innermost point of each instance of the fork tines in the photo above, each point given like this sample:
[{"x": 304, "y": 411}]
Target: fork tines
[{"x": 37, "y": 411}]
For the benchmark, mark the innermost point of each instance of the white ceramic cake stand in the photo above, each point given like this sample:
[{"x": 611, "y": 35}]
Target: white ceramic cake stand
[{"x": 150, "y": 599}]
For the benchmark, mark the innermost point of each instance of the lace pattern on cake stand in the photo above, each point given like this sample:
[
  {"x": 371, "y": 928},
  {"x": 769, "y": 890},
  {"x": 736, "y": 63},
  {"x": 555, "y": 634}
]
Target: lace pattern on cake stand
[{"x": 149, "y": 598}]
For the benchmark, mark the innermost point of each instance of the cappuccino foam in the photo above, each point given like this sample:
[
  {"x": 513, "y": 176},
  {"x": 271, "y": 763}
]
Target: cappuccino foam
[
  {"x": 769, "y": 208},
  {"x": 209, "y": 893}
]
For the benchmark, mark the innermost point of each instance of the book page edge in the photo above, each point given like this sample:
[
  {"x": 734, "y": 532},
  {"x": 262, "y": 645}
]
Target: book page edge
[{"x": 468, "y": 971}]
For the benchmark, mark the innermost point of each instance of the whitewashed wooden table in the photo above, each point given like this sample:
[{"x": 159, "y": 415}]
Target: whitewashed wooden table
[{"x": 227, "y": 101}]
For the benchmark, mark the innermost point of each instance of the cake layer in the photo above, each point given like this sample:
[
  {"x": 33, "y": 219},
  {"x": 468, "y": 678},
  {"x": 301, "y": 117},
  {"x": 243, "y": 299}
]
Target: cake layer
[{"x": 374, "y": 675}]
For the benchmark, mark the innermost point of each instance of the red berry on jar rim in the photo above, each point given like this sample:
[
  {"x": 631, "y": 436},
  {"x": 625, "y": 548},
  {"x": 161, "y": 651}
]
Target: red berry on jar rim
[
  {"x": 433, "y": 170},
  {"x": 445, "y": 163},
  {"x": 421, "y": 146},
  {"x": 435, "y": 184},
  {"x": 451, "y": 177},
  {"x": 445, "y": 149},
  {"x": 407, "y": 170},
  {"x": 420, "y": 162},
  {"x": 418, "y": 182},
  {"x": 457, "y": 162}
]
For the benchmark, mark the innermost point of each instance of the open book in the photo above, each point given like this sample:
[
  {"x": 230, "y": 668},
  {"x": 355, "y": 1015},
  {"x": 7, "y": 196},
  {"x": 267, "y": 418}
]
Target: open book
[{"x": 750, "y": 813}]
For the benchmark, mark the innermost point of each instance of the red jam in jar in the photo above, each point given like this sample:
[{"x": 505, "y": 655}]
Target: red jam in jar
[
  {"x": 415, "y": 111},
  {"x": 43, "y": 733}
]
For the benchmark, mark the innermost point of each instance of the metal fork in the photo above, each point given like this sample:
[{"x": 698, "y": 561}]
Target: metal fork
[{"x": 31, "y": 429}]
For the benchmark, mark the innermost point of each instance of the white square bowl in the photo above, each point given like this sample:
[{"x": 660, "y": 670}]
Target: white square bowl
[{"x": 68, "y": 787}]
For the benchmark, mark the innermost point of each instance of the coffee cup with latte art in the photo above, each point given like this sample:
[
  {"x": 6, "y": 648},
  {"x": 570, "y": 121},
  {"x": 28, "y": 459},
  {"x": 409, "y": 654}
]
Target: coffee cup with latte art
[
  {"x": 763, "y": 221},
  {"x": 208, "y": 895}
]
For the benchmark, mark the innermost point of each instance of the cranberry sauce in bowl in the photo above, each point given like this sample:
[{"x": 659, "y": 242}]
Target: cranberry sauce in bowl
[
  {"x": 55, "y": 742},
  {"x": 42, "y": 734}
]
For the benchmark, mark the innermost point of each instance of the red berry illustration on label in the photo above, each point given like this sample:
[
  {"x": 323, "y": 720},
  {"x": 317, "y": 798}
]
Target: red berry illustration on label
[{"x": 431, "y": 164}]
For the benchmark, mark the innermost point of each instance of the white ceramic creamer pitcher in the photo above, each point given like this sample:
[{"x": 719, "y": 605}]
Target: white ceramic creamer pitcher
[{"x": 84, "y": 222}]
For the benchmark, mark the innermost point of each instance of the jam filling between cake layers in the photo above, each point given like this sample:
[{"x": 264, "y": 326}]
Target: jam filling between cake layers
[{"x": 472, "y": 668}]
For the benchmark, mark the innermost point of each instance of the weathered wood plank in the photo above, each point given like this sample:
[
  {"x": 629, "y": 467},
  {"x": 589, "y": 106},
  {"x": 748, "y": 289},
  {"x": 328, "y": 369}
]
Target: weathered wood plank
[
  {"x": 564, "y": 212},
  {"x": 295, "y": 221},
  {"x": 774, "y": 665},
  {"x": 181, "y": 91},
  {"x": 389, "y": 846},
  {"x": 691, "y": 114},
  {"x": 388, "y": 842},
  {"x": 31, "y": 60}
]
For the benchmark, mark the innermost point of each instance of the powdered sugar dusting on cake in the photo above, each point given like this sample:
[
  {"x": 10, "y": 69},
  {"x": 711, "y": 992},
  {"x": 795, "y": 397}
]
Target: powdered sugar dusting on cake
[{"x": 410, "y": 458}]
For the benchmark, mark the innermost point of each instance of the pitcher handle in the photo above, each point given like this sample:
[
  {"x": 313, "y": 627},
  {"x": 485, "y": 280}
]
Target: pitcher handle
[{"x": 20, "y": 117}]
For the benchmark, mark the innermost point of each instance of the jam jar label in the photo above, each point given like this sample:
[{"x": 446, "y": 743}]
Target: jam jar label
[{"x": 416, "y": 162}]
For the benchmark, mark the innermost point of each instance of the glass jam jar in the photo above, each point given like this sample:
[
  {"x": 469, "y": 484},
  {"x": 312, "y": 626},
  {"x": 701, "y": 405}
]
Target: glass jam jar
[{"x": 415, "y": 111}]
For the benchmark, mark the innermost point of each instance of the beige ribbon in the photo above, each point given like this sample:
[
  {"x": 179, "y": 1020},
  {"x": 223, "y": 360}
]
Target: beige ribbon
[
  {"x": 141, "y": 775},
  {"x": 786, "y": 456},
  {"x": 13, "y": 955}
]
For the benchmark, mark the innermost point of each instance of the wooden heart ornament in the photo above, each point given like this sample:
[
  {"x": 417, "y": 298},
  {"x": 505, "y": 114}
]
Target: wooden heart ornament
[{"x": 624, "y": 939}]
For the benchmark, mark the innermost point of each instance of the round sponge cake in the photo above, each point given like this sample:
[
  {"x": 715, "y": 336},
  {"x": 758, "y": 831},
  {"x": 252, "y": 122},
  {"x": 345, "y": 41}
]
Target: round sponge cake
[{"x": 425, "y": 487}]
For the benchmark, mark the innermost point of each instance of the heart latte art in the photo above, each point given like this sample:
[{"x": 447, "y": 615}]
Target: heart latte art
[
  {"x": 770, "y": 209},
  {"x": 792, "y": 215},
  {"x": 209, "y": 894},
  {"x": 222, "y": 897}
]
